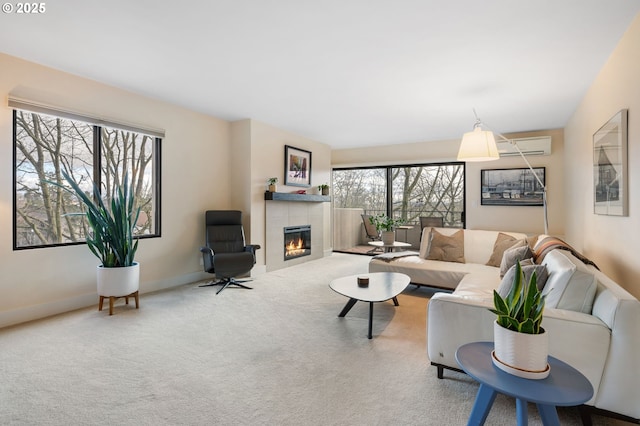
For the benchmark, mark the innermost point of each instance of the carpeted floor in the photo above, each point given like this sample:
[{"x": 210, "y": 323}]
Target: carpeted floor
[{"x": 274, "y": 355}]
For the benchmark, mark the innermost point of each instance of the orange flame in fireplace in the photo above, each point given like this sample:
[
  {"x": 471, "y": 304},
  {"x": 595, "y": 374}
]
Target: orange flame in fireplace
[{"x": 294, "y": 248}]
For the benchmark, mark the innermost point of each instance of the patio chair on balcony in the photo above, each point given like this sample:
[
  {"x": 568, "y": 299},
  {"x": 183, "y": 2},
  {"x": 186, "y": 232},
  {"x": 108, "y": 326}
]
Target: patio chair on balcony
[
  {"x": 372, "y": 232},
  {"x": 430, "y": 222}
]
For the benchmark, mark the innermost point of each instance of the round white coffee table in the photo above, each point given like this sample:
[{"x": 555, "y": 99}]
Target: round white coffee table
[{"x": 382, "y": 286}]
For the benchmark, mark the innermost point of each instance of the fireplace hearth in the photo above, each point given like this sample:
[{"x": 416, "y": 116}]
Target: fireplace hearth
[{"x": 297, "y": 241}]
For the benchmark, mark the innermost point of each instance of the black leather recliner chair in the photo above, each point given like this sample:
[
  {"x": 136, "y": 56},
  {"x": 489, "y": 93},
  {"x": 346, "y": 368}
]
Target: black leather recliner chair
[{"x": 225, "y": 253}]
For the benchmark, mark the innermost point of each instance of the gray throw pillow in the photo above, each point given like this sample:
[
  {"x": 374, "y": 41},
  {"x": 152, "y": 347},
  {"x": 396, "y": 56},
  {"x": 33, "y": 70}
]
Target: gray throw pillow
[
  {"x": 507, "y": 281},
  {"x": 513, "y": 255}
]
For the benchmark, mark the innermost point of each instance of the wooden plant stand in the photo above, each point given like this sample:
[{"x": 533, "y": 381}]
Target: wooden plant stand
[{"x": 113, "y": 298}]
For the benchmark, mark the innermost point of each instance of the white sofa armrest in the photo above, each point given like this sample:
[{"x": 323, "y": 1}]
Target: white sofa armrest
[{"x": 453, "y": 320}]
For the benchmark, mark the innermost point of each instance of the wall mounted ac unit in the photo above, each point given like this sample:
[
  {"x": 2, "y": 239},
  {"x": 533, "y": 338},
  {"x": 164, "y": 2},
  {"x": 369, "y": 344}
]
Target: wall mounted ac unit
[{"x": 528, "y": 146}]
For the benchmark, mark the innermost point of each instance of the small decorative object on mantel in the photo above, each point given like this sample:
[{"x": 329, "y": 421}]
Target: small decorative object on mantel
[
  {"x": 363, "y": 281},
  {"x": 272, "y": 184},
  {"x": 324, "y": 189},
  {"x": 301, "y": 191},
  {"x": 521, "y": 345}
]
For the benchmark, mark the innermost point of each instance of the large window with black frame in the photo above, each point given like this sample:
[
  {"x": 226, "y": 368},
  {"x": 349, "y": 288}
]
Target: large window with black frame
[
  {"x": 405, "y": 192},
  {"x": 45, "y": 145}
]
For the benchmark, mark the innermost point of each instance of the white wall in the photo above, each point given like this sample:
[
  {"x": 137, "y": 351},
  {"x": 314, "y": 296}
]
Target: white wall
[
  {"x": 241, "y": 174},
  {"x": 610, "y": 241},
  {"x": 521, "y": 219},
  {"x": 265, "y": 146},
  {"x": 195, "y": 155}
]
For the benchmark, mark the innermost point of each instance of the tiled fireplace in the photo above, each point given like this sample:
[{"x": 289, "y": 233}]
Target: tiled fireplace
[{"x": 301, "y": 217}]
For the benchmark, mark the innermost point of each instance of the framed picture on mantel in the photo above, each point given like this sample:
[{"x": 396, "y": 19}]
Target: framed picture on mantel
[{"x": 297, "y": 166}]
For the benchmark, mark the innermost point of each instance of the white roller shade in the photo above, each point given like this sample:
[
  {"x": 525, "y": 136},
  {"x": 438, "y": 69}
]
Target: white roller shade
[{"x": 32, "y": 106}]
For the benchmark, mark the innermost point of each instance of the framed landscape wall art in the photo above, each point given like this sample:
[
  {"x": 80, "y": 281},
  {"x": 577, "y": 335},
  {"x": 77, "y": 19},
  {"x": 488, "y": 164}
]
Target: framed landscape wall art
[
  {"x": 512, "y": 187},
  {"x": 297, "y": 166},
  {"x": 610, "y": 187}
]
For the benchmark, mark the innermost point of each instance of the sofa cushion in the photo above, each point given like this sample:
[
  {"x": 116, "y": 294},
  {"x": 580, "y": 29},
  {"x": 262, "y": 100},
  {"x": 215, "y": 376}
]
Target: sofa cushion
[
  {"x": 447, "y": 248},
  {"x": 507, "y": 281},
  {"x": 518, "y": 252},
  {"x": 570, "y": 285},
  {"x": 434, "y": 273},
  {"x": 479, "y": 283},
  {"x": 503, "y": 242}
]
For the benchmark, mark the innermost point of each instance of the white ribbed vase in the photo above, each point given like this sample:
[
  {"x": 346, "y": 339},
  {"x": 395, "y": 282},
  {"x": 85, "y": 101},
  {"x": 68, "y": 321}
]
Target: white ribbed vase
[
  {"x": 388, "y": 237},
  {"x": 118, "y": 281},
  {"x": 524, "y": 355}
]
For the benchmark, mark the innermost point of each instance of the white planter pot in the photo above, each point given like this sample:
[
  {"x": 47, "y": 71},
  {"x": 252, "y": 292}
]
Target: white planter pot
[
  {"x": 118, "y": 282},
  {"x": 388, "y": 237},
  {"x": 521, "y": 354}
]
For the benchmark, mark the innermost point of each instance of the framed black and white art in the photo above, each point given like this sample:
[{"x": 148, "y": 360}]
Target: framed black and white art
[
  {"x": 512, "y": 187},
  {"x": 610, "y": 188}
]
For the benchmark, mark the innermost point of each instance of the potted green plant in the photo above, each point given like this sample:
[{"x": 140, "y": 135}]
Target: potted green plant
[
  {"x": 324, "y": 189},
  {"x": 272, "y": 184},
  {"x": 386, "y": 225},
  {"x": 112, "y": 237},
  {"x": 521, "y": 344}
]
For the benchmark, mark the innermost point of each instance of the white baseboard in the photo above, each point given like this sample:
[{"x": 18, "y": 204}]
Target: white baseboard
[
  {"x": 43, "y": 310},
  {"x": 34, "y": 312}
]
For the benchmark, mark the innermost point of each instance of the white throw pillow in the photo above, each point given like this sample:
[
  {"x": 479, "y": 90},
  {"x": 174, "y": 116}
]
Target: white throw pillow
[
  {"x": 569, "y": 286},
  {"x": 559, "y": 270},
  {"x": 579, "y": 294}
]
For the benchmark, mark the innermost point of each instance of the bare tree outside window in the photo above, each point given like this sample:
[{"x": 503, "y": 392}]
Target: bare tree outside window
[
  {"x": 361, "y": 188},
  {"x": 45, "y": 146},
  {"x": 429, "y": 190},
  {"x": 412, "y": 191},
  {"x": 128, "y": 152}
]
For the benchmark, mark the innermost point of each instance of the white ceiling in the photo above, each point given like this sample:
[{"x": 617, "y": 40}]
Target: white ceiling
[{"x": 347, "y": 73}]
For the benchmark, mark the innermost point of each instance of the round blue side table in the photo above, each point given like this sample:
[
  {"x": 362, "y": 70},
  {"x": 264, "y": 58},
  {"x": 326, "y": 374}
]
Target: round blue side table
[{"x": 565, "y": 386}]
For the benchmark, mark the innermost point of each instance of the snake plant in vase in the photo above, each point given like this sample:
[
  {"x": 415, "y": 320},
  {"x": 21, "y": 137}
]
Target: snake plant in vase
[
  {"x": 521, "y": 344},
  {"x": 111, "y": 238}
]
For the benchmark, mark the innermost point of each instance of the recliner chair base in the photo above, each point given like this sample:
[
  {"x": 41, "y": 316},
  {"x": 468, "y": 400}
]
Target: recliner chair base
[{"x": 226, "y": 282}]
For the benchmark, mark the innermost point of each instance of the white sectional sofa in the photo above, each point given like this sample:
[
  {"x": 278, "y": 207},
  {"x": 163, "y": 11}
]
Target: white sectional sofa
[{"x": 593, "y": 323}]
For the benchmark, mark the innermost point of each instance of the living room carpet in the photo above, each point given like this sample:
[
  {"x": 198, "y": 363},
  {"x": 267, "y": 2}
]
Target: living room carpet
[{"x": 274, "y": 355}]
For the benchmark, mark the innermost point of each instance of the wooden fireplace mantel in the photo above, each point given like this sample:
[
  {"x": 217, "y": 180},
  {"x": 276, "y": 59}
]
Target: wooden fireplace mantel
[{"x": 292, "y": 196}]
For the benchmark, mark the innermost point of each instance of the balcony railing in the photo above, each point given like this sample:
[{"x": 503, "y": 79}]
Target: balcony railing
[{"x": 349, "y": 231}]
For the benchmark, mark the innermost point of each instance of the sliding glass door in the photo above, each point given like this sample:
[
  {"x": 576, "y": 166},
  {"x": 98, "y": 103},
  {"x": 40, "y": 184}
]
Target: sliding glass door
[{"x": 407, "y": 192}]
